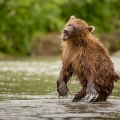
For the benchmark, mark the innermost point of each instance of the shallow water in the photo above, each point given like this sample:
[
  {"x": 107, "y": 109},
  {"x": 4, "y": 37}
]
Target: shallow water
[{"x": 28, "y": 92}]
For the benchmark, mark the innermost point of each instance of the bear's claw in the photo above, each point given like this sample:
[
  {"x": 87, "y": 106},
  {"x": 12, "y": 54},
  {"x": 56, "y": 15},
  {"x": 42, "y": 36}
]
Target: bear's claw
[{"x": 90, "y": 97}]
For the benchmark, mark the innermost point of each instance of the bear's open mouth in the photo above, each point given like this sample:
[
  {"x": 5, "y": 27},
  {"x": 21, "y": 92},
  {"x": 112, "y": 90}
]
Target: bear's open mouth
[{"x": 65, "y": 35}]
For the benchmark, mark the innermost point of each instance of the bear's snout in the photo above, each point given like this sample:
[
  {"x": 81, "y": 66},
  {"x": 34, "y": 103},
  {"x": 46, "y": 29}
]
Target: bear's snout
[
  {"x": 65, "y": 35},
  {"x": 65, "y": 31}
]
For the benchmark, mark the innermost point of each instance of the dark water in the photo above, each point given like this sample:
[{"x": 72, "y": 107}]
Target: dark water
[{"x": 28, "y": 92}]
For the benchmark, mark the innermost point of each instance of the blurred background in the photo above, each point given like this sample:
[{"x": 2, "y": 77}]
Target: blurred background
[{"x": 33, "y": 27}]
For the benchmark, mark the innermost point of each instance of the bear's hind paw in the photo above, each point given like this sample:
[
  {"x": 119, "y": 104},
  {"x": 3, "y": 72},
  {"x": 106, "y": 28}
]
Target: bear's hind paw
[{"x": 75, "y": 99}]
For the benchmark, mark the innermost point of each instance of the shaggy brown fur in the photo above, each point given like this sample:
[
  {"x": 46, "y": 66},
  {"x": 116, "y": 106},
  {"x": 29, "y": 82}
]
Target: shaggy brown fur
[{"x": 86, "y": 58}]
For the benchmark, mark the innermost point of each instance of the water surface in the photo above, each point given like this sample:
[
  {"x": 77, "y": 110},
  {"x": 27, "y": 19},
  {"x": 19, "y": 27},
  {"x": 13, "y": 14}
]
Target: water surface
[{"x": 28, "y": 92}]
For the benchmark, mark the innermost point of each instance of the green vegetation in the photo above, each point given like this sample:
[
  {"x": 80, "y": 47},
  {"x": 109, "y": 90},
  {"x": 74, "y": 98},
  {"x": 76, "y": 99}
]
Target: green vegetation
[{"x": 22, "y": 20}]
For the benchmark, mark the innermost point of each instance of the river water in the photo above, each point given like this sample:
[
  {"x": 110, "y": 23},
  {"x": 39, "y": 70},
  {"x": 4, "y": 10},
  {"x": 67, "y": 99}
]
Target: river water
[{"x": 28, "y": 92}]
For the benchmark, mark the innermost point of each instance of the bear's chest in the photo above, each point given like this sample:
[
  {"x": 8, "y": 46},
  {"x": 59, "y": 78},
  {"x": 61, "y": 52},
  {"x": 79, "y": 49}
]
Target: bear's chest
[
  {"x": 75, "y": 58},
  {"x": 77, "y": 64}
]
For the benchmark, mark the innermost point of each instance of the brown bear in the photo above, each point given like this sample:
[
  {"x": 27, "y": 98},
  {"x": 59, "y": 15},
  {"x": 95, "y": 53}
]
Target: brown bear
[{"x": 86, "y": 58}]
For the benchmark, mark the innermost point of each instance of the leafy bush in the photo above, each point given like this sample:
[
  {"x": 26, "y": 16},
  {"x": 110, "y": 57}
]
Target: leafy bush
[{"x": 21, "y": 20}]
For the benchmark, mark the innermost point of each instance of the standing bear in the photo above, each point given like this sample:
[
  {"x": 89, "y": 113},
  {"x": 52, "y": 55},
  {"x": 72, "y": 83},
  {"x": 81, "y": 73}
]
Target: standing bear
[{"x": 86, "y": 58}]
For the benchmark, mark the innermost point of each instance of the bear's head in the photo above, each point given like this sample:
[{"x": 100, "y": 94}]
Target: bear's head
[{"x": 76, "y": 28}]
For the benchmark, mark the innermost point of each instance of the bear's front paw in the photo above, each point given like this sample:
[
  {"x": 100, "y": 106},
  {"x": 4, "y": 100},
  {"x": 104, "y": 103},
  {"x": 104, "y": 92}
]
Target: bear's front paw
[
  {"x": 62, "y": 90},
  {"x": 91, "y": 95}
]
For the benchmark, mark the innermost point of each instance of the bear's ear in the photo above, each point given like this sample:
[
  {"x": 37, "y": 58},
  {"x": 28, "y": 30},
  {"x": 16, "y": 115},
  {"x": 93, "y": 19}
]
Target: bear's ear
[
  {"x": 91, "y": 28},
  {"x": 72, "y": 17}
]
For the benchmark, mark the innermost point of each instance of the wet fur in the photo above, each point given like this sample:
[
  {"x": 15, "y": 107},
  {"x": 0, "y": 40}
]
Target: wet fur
[{"x": 86, "y": 58}]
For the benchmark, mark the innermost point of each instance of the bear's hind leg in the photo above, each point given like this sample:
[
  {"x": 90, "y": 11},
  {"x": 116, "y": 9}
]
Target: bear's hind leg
[
  {"x": 81, "y": 94},
  {"x": 91, "y": 94}
]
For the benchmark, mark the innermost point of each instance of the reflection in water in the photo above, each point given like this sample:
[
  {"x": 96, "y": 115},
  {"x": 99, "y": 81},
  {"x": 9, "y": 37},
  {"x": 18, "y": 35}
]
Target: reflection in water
[{"x": 28, "y": 92}]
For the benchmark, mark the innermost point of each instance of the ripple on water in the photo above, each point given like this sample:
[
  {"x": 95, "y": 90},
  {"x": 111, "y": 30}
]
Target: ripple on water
[
  {"x": 59, "y": 108},
  {"x": 28, "y": 92}
]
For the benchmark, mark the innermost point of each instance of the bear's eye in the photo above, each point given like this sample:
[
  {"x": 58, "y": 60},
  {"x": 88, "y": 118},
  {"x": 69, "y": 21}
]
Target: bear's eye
[
  {"x": 72, "y": 26},
  {"x": 69, "y": 25},
  {"x": 75, "y": 29}
]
